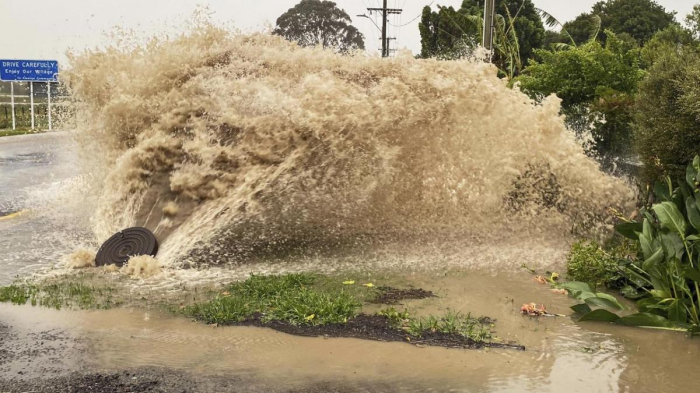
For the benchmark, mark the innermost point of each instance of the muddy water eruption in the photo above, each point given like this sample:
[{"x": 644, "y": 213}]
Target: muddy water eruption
[{"x": 223, "y": 143}]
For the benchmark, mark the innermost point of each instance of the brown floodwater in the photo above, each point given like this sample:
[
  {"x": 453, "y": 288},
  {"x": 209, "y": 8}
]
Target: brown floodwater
[{"x": 561, "y": 355}]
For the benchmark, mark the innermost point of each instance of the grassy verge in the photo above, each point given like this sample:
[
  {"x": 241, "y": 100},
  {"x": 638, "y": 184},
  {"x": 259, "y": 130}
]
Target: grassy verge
[
  {"x": 59, "y": 293},
  {"x": 18, "y": 131}
]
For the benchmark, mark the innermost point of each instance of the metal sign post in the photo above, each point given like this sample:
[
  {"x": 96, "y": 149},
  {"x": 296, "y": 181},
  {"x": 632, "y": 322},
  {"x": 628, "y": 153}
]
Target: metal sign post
[
  {"x": 48, "y": 85},
  {"x": 31, "y": 100},
  {"x": 12, "y": 104}
]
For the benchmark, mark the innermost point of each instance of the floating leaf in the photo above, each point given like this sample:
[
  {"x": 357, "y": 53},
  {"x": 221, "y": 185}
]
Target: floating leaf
[
  {"x": 600, "y": 315},
  {"x": 603, "y": 302},
  {"x": 645, "y": 319},
  {"x": 576, "y": 286}
]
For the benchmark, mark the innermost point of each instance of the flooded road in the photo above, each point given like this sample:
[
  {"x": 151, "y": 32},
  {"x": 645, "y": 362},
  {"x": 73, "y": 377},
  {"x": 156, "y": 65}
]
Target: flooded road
[
  {"x": 561, "y": 355},
  {"x": 31, "y": 167}
]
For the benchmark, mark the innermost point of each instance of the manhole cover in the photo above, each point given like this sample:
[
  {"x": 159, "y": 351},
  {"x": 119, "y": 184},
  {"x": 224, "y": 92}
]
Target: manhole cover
[{"x": 126, "y": 244}]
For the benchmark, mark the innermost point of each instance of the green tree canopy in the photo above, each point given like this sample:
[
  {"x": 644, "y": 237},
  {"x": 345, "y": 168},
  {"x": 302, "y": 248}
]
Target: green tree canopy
[
  {"x": 667, "y": 111},
  {"x": 593, "y": 80},
  {"x": 443, "y": 32},
  {"x": 317, "y": 22},
  {"x": 641, "y": 19}
]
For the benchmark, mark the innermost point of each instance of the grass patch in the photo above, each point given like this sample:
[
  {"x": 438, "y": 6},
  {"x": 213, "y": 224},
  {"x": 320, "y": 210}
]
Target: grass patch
[
  {"x": 479, "y": 330},
  {"x": 288, "y": 298},
  {"x": 306, "y": 304},
  {"x": 58, "y": 294},
  {"x": 18, "y": 131}
]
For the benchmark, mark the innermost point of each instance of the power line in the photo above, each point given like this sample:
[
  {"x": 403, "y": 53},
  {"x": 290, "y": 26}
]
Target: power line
[{"x": 414, "y": 19}]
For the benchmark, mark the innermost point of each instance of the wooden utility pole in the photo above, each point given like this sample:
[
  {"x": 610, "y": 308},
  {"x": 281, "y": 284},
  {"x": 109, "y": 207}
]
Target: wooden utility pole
[
  {"x": 489, "y": 11},
  {"x": 385, "y": 12}
]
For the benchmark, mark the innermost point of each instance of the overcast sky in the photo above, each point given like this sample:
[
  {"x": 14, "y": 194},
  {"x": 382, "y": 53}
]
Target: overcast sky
[{"x": 45, "y": 29}]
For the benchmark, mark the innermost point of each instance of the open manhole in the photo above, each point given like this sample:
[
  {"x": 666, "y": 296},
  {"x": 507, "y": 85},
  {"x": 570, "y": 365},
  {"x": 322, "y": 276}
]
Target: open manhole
[{"x": 128, "y": 243}]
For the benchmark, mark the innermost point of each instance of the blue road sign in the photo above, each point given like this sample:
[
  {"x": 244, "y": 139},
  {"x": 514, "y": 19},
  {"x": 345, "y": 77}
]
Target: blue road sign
[{"x": 28, "y": 70}]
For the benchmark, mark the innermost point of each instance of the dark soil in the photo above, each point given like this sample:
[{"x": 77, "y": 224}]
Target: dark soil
[
  {"x": 390, "y": 295},
  {"x": 377, "y": 328}
]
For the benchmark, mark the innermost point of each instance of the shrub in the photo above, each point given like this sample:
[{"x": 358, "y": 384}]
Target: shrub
[
  {"x": 588, "y": 262},
  {"x": 667, "y": 125}
]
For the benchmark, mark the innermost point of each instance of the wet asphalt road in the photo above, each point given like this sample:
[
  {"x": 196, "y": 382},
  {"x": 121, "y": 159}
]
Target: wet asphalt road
[{"x": 29, "y": 164}]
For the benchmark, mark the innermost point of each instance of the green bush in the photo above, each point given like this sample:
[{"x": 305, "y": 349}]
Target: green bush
[
  {"x": 588, "y": 262},
  {"x": 666, "y": 116},
  {"x": 596, "y": 83}
]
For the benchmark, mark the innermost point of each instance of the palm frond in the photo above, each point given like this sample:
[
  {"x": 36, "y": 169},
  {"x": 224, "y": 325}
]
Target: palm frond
[
  {"x": 551, "y": 21},
  {"x": 596, "y": 24}
]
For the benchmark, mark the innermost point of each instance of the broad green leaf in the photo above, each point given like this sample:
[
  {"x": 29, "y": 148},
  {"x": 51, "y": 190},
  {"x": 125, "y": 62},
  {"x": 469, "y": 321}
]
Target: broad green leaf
[
  {"x": 599, "y": 315},
  {"x": 646, "y": 244},
  {"x": 644, "y": 319},
  {"x": 690, "y": 175},
  {"x": 576, "y": 286},
  {"x": 676, "y": 311},
  {"x": 670, "y": 217},
  {"x": 637, "y": 276},
  {"x": 629, "y": 230},
  {"x": 582, "y": 308},
  {"x": 602, "y": 302},
  {"x": 693, "y": 212},
  {"x": 693, "y": 238},
  {"x": 685, "y": 190},
  {"x": 691, "y": 274},
  {"x": 648, "y": 229},
  {"x": 662, "y": 191},
  {"x": 655, "y": 259},
  {"x": 610, "y": 298},
  {"x": 582, "y": 295},
  {"x": 673, "y": 245}
]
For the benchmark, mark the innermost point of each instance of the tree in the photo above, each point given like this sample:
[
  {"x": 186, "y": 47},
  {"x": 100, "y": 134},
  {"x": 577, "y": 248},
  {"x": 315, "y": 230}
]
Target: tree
[
  {"x": 667, "y": 114},
  {"x": 693, "y": 21},
  {"x": 641, "y": 19},
  {"x": 583, "y": 28},
  {"x": 444, "y": 32},
  {"x": 317, "y": 22},
  {"x": 596, "y": 84}
]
